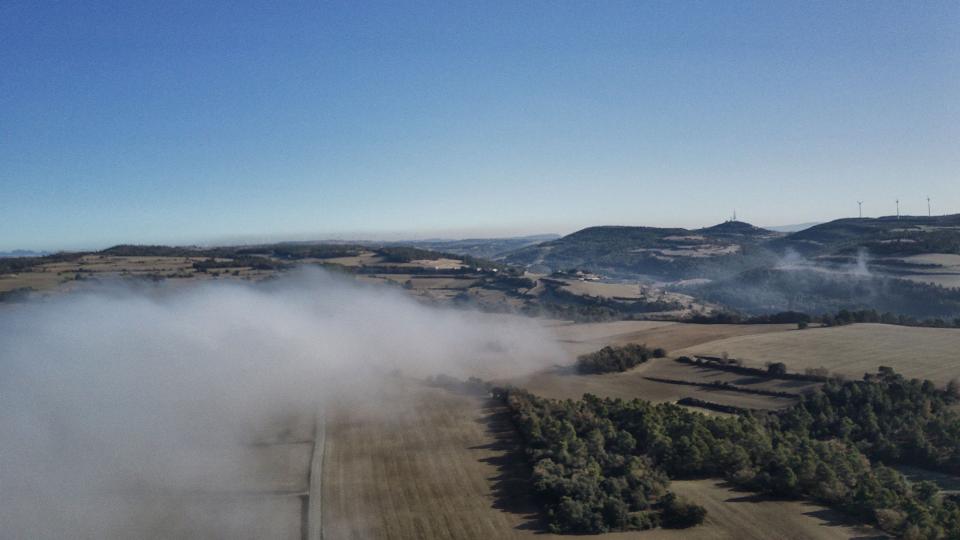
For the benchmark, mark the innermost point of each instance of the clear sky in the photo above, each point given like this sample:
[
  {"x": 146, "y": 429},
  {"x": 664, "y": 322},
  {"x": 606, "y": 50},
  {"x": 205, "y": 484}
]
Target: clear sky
[{"x": 184, "y": 122}]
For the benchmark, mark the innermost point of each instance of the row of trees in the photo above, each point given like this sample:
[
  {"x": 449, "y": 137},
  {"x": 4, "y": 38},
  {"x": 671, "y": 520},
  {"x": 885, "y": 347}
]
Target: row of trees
[
  {"x": 839, "y": 318},
  {"x": 604, "y": 464}
]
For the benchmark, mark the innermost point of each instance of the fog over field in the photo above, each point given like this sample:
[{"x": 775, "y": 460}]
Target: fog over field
[{"x": 111, "y": 397}]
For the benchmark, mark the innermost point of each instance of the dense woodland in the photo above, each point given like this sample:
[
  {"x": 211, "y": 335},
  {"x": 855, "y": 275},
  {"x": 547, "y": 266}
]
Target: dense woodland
[
  {"x": 605, "y": 464},
  {"x": 764, "y": 290}
]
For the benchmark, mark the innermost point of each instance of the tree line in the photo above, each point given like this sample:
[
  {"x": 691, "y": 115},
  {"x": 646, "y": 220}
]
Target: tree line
[{"x": 838, "y": 318}]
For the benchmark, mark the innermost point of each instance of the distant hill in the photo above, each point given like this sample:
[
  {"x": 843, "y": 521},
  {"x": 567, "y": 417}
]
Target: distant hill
[
  {"x": 676, "y": 253},
  {"x": 665, "y": 252},
  {"x": 486, "y": 248},
  {"x": 884, "y": 236},
  {"x": 814, "y": 291},
  {"x": 907, "y": 265}
]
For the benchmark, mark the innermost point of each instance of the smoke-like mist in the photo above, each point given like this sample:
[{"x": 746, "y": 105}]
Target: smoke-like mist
[
  {"x": 793, "y": 260},
  {"x": 158, "y": 391}
]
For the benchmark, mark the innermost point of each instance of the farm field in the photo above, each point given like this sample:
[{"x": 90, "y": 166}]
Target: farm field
[
  {"x": 733, "y": 515},
  {"x": 421, "y": 463},
  {"x": 583, "y": 338},
  {"x": 928, "y": 353},
  {"x": 603, "y": 290},
  {"x": 430, "y": 463},
  {"x": 564, "y": 383},
  {"x": 944, "y": 268},
  {"x": 62, "y": 276}
]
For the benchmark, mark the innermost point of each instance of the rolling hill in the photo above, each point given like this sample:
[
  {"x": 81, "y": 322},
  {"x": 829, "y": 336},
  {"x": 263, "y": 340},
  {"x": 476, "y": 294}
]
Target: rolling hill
[
  {"x": 906, "y": 235},
  {"x": 907, "y": 265},
  {"x": 672, "y": 253}
]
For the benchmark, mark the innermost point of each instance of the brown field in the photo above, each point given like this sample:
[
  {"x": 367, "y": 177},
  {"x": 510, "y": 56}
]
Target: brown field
[
  {"x": 603, "y": 290},
  {"x": 563, "y": 383},
  {"x": 947, "y": 272},
  {"x": 582, "y": 338},
  {"x": 743, "y": 516},
  {"x": 441, "y": 282},
  {"x": 368, "y": 258},
  {"x": 928, "y": 353},
  {"x": 438, "y": 264},
  {"x": 424, "y": 463}
]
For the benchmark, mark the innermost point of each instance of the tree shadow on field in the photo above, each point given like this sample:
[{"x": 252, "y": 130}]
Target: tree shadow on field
[
  {"x": 827, "y": 517},
  {"x": 832, "y": 518},
  {"x": 511, "y": 485}
]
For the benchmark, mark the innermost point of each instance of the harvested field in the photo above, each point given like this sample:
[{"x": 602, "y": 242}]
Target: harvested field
[
  {"x": 564, "y": 383},
  {"x": 441, "y": 282},
  {"x": 743, "y": 516},
  {"x": 944, "y": 268},
  {"x": 364, "y": 259},
  {"x": 603, "y": 290},
  {"x": 928, "y": 353},
  {"x": 941, "y": 259},
  {"x": 437, "y": 264},
  {"x": 424, "y": 463},
  {"x": 583, "y": 338}
]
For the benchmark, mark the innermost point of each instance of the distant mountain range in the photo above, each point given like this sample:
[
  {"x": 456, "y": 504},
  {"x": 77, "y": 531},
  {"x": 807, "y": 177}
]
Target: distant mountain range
[
  {"x": 682, "y": 253},
  {"x": 22, "y": 253}
]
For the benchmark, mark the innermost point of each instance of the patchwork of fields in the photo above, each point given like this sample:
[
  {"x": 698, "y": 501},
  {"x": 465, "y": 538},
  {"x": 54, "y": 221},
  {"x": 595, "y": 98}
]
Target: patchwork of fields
[{"x": 431, "y": 462}]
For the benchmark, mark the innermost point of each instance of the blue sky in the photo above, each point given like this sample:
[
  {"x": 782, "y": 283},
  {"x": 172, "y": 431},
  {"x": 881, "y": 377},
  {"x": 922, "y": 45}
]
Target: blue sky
[{"x": 170, "y": 122}]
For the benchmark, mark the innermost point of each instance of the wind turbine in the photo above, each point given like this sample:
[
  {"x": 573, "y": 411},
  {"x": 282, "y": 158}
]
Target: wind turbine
[
  {"x": 898, "y": 208},
  {"x": 929, "y": 214},
  {"x": 860, "y": 208}
]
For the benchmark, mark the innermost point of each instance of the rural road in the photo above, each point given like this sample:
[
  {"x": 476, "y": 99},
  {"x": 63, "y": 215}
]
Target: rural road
[{"x": 315, "y": 501}]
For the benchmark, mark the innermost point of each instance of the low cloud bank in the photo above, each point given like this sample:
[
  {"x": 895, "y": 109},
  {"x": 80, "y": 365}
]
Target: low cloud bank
[{"x": 158, "y": 390}]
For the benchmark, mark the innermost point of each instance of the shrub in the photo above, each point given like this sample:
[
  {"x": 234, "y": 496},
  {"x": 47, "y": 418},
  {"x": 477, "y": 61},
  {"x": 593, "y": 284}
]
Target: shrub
[
  {"x": 777, "y": 369},
  {"x": 679, "y": 513}
]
